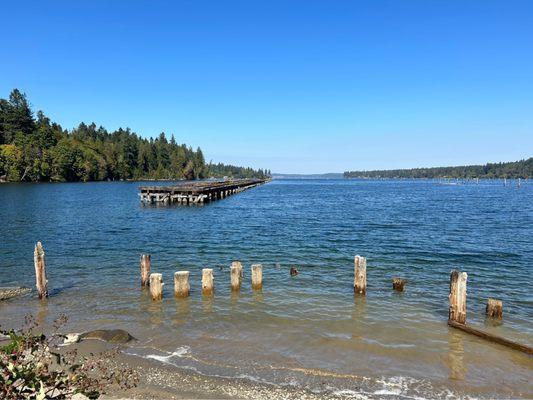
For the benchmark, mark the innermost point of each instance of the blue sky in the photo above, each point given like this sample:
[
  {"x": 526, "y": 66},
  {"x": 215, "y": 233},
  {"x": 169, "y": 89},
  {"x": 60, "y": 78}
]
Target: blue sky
[{"x": 293, "y": 86}]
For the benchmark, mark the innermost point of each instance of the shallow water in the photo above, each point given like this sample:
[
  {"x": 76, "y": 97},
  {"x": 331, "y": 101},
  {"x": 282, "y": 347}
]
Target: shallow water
[{"x": 309, "y": 330}]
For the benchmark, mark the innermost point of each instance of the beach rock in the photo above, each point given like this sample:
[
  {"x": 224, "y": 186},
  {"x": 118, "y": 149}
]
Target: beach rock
[
  {"x": 79, "y": 396},
  {"x": 294, "y": 271},
  {"x": 9, "y": 292},
  {"x": 108, "y": 335}
]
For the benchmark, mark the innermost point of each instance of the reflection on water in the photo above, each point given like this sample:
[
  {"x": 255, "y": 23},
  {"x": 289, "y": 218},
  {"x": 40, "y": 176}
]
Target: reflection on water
[{"x": 309, "y": 330}]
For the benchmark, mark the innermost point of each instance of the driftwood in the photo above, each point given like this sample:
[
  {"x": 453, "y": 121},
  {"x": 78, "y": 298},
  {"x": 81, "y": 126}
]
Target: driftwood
[{"x": 491, "y": 338}]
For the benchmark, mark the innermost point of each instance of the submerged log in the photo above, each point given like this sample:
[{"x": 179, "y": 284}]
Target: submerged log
[
  {"x": 491, "y": 337},
  {"x": 156, "y": 286},
  {"x": 145, "y": 269},
  {"x": 40, "y": 271},
  {"x": 257, "y": 276},
  {"x": 359, "y": 284},
  {"x": 208, "y": 282},
  {"x": 398, "y": 284},
  {"x": 181, "y": 284},
  {"x": 457, "y": 297},
  {"x": 494, "y": 309}
]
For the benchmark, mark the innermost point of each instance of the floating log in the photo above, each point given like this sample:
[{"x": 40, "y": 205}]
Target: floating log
[
  {"x": 145, "y": 269},
  {"x": 457, "y": 297},
  {"x": 235, "y": 275},
  {"x": 208, "y": 281},
  {"x": 398, "y": 284},
  {"x": 294, "y": 271},
  {"x": 181, "y": 284},
  {"x": 40, "y": 271},
  {"x": 494, "y": 309},
  {"x": 491, "y": 338},
  {"x": 257, "y": 276},
  {"x": 156, "y": 286},
  {"x": 359, "y": 284}
]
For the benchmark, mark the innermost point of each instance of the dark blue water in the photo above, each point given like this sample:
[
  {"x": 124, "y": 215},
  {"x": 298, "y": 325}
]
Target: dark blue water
[{"x": 94, "y": 233}]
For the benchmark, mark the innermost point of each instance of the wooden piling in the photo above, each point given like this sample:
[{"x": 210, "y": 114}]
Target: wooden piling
[
  {"x": 40, "y": 271},
  {"x": 494, "y": 309},
  {"x": 235, "y": 275},
  {"x": 208, "y": 281},
  {"x": 457, "y": 297},
  {"x": 293, "y": 271},
  {"x": 359, "y": 284},
  {"x": 156, "y": 286},
  {"x": 398, "y": 284},
  {"x": 145, "y": 269},
  {"x": 257, "y": 276},
  {"x": 181, "y": 284}
]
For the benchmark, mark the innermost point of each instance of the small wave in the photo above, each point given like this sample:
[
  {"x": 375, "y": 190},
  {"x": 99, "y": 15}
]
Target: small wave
[{"x": 393, "y": 346}]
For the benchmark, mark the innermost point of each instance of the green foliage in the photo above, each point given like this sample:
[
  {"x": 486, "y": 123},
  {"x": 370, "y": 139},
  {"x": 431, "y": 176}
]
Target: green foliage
[
  {"x": 35, "y": 149},
  {"x": 33, "y": 367},
  {"x": 511, "y": 170}
]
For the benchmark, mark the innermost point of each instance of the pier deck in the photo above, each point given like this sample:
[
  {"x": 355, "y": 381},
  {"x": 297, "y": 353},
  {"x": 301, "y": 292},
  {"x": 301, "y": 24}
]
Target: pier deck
[{"x": 196, "y": 192}]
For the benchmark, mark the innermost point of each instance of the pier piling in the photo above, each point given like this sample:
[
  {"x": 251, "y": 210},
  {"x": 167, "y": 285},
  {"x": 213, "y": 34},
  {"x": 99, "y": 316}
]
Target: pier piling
[
  {"x": 145, "y": 269},
  {"x": 208, "y": 281},
  {"x": 156, "y": 286},
  {"x": 257, "y": 276},
  {"x": 40, "y": 271},
  {"x": 236, "y": 275},
  {"x": 457, "y": 297},
  {"x": 359, "y": 284},
  {"x": 181, "y": 284},
  {"x": 494, "y": 309},
  {"x": 398, "y": 284}
]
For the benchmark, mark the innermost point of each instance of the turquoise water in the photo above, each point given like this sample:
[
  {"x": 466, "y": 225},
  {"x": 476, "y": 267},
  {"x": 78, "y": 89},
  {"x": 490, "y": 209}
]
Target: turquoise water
[{"x": 308, "y": 330}]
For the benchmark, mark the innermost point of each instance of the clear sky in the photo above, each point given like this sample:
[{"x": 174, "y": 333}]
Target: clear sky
[{"x": 293, "y": 86}]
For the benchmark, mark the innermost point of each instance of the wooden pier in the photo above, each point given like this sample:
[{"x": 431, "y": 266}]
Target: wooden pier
[{"x": 196, "y": 192}]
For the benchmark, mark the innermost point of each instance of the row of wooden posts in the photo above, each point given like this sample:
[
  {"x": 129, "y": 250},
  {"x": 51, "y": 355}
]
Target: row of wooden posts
[{"x": 457, "y": 296}]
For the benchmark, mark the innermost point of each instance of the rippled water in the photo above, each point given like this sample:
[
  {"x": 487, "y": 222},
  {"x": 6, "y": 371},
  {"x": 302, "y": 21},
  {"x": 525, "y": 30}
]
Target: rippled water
[{"x": 308, "y": 330}]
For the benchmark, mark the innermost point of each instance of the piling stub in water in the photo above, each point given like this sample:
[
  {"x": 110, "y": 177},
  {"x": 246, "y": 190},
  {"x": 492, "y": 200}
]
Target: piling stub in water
[
  {"x": 257, "y": 276},
  {"x": 181, "y": 284},
  {"x": 359, "y": 284},
  {"x": 457, "y": 297},
  {"x": 238, "y": 264},
  {"x": 235, "y": 276},
  {"x": 494, "y": 309},
  {"x": 156, "y": 286},
  {"x": 208, "y": 281},
  {"x": 145, "y": 269},
  {"x": 398, "y": 284},
  {"x": 294, "y": 271},
  {"x": 40, "y": 271}
]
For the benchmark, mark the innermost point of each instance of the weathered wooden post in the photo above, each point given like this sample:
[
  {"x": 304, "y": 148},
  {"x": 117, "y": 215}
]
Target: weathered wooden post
[
  {"x": 40, "y": 271},
  {"x": 359, "y": 284},
  {"x": 156, "y": 286},
  {"x": 235, "y": 275},
  {"x": 257, "y": 276},
  {"x": 398, "y": 284},
  {"x": 181, "y": 284},
  {"x": 145, "y": 269},
  {"x": 208, "y": 281},
  {"x": 294, "y": 271},
  {"x": 494, "y": 308},
  {"x": 458, "y": 297}
]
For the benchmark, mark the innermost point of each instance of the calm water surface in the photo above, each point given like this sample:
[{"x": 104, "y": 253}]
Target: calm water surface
[{"x": 309, "y": 330}]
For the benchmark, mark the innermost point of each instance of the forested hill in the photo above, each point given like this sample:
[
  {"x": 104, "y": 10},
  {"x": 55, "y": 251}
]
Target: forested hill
[
  {"x": 516, "y": 169},
  {"x": 34, "y": 149}
]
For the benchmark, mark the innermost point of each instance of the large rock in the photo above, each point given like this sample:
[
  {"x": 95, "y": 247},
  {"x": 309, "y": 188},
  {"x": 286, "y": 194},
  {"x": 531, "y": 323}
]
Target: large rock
[{"x": 108, "y": 335}]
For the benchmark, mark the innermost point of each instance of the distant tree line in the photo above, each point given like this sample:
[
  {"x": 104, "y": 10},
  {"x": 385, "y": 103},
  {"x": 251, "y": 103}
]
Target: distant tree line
[
  {"x": 511, "y": 170},
  {"x": 34, "y": 149}
]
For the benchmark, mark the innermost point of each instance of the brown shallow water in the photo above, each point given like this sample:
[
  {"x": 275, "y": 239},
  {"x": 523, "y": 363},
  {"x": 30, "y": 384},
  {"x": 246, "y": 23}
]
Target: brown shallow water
[{"x": 308, "y": 332}]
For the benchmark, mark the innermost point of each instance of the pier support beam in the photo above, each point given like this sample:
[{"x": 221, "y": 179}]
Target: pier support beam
[
  {"x": 208, "y": 282},
  {"x": 359, "y": 284},
  {"x": 156, "y": 286},
  {"x": 181, "y": 284},
  {"x": 398, "y": 284},
  {"x": 236, "y": 275},
  {"x": 145, "y": 269},
  {"x": 257, "y": 276},
  {"x": 457, "y": 312},
  {"x": 494, "y": 309},
  {"x": 40, "y": 271}
]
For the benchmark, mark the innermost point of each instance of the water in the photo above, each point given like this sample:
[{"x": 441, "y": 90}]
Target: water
[{"x": 310, "y": 330}]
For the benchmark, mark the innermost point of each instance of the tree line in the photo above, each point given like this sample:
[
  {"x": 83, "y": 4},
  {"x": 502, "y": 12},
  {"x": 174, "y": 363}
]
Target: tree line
[
  {"x": 35, "y": 149},
  {"x": 510, "y": 170}
]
